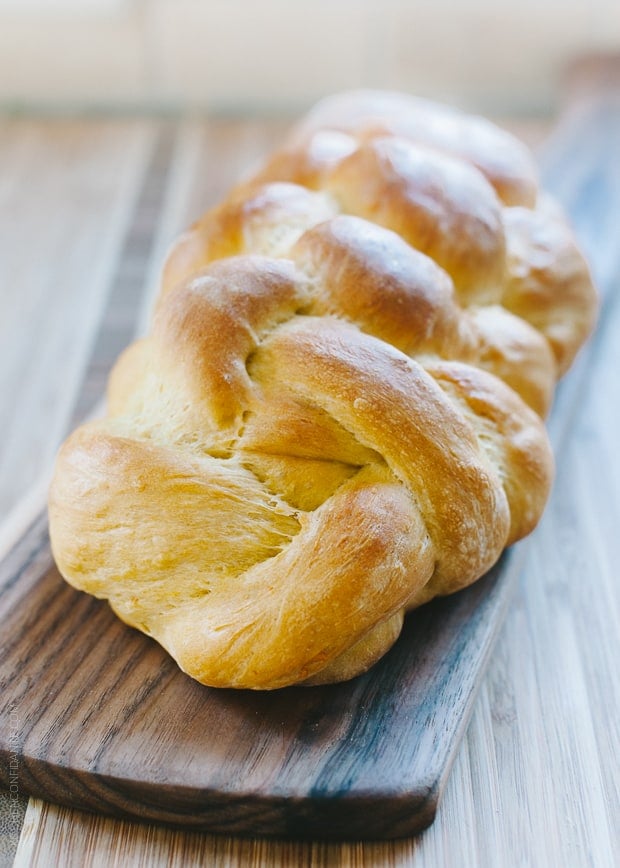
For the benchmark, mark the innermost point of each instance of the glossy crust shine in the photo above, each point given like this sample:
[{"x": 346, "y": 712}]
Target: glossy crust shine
[{"x": 328, "y": 423}]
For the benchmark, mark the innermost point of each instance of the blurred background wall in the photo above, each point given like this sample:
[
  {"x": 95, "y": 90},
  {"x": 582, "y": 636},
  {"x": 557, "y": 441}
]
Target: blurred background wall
[{"x": 279, "y": 55}]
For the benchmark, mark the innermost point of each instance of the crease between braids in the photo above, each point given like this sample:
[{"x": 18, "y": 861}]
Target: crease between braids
[{"x": 337, "y": 414}]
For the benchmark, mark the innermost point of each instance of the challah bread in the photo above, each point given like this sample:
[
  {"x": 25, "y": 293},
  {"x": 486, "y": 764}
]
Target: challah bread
[{"x": 328, "y": 424}]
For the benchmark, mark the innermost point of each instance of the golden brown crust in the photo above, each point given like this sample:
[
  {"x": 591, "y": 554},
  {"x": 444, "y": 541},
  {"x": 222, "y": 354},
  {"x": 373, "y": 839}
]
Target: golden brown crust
[
  {"x": 548, "y": 281},
  {"x": 502, "y": 159},
  {"x": 328, "y": 424}
]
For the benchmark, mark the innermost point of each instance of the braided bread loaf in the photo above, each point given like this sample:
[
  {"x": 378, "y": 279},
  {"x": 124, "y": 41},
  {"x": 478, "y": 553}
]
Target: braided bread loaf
[{"x": 329, "y": 424}]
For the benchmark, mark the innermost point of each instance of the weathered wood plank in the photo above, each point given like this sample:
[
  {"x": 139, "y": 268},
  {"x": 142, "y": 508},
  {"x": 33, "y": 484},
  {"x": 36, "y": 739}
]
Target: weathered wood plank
[{"x": 66, "y": 190}]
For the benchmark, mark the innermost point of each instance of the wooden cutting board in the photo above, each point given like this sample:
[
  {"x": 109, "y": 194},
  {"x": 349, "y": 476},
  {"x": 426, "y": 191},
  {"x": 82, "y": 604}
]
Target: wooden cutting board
[{"x": 108, "y": 723}]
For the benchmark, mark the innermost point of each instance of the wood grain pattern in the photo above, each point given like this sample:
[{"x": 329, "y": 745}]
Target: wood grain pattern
[
  {"x": 535, "y": 781},
  {"x": 55, "y": 273}
]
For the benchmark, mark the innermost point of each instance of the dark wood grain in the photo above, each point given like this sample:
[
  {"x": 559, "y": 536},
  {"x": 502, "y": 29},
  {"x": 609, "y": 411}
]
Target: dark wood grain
[{"x": 108, "y": 723}]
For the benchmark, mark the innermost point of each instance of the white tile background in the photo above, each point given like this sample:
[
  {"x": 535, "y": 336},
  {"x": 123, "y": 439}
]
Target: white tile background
[{"x": 274, "y": 55}]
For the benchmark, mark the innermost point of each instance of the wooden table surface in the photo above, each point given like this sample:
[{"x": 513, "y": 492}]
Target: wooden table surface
[{"x": 87, "y": 208}]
